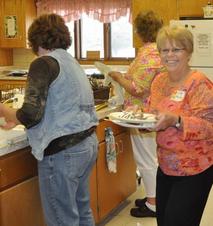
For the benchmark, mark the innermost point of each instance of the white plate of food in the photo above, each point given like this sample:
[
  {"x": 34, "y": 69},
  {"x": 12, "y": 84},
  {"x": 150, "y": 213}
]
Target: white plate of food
[
  {"x": 133, "y": 120},
  {"x": 130, "y": 117},
  {"x": 148, "y": 125}
]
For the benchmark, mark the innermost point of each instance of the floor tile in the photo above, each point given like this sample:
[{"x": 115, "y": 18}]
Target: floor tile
[{"x": 119, "y": 221}]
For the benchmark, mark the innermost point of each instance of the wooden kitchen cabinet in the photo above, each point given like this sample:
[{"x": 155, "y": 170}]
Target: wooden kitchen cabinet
[
  {"x": 20, "y": 205},
  {"x": 19, "y": 193},
  {"x": 6, "y": 57},
  {"x": 167, "y": 9},
  {"x": 16, "y": 168},
  {"x": 114, "y": 188},
  {"x": 107, "y": 189},
  {"x": 15, "y": 17},
  {"x": 191, "y": 8},
  {"x": 9, "y": 84}
]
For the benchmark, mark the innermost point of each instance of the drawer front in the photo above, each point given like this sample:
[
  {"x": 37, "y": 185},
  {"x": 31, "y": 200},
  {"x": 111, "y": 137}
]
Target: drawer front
[
  {"x": 104, "y": 124},
  {"x": 17, "y": 167}
]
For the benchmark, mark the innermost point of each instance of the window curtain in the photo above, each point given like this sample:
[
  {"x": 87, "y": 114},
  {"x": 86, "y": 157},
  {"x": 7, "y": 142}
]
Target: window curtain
[{"x": 105, "y": 11}]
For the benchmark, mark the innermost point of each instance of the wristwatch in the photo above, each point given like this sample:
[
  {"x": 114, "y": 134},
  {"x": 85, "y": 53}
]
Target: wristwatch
[{"x": 178, "y": 123}]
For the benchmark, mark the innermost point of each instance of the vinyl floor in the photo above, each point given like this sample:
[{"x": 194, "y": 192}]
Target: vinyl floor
[{"x": 123, "y": 218}]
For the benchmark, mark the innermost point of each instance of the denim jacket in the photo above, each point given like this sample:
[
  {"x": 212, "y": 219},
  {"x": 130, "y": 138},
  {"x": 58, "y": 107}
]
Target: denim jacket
[{"x": 69, "y": 107}]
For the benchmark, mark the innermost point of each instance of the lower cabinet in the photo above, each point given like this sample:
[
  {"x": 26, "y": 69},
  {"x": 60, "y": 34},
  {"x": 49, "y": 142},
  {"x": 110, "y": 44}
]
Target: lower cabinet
[
  {"x": 20, "y": 205},
  {"x": 114, "y": 188}
]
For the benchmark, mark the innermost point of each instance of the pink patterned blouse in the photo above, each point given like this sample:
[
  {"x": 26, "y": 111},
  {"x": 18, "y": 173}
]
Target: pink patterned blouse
[
  {"x": 188, "y": 151},
  {"x": 141, "y": 72}
]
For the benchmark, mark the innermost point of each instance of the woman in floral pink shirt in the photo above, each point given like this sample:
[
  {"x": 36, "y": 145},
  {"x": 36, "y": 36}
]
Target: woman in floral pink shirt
[
  {"x": 183, "y": 101},
  {"x": 137, "y": 82},
  {"x": 140, "y": 74}
]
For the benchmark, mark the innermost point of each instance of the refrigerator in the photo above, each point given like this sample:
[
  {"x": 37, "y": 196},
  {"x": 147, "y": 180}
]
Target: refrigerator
[{"x": 202, "y": 57}]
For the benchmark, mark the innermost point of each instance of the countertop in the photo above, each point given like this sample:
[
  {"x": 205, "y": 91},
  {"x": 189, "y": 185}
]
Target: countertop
[
  {"x": 6, "y": 77},
  {"x": 15, "y": 139},
  {"x": 6, "y": 71}
]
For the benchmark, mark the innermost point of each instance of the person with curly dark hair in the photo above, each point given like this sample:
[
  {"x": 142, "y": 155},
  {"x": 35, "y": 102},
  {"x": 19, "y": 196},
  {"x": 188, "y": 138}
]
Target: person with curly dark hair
[
  {"x": 60, "y": 119},
  {"x": 136, "y": 83},
  {"x": 147, "y": 24}
]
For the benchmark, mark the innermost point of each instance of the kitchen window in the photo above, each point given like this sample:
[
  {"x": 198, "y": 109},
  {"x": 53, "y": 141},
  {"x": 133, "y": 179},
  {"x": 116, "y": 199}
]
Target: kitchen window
[
  {"x": 113, "y": 40},
  {"x": 121, "y": 39},
  {"x": 92, "y": 36}
]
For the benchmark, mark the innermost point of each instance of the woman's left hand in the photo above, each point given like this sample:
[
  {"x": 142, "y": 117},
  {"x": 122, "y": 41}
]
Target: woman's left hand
[{"x": 165, "y": 120}]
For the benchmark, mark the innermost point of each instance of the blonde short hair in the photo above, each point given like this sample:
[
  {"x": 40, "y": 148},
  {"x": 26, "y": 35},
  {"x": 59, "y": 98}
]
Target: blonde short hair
[{"x": 175, "y": 34}]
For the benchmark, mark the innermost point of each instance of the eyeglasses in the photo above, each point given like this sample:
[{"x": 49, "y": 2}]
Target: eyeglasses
[{"x": 174, "y": 51}]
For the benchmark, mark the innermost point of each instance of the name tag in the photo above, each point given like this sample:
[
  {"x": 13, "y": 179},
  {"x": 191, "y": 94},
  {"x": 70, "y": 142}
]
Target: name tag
[{"x": 178, "y": 95}]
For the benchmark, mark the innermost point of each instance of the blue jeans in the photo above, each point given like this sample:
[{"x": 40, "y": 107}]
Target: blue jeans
[{"x": 64, "y": 184}]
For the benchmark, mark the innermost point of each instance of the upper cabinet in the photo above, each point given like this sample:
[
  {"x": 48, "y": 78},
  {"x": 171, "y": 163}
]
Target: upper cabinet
[
  {"x": 191, "y": 8},
  {"x": 15, "y": 17},
  {"x": 167, "y": 9},
  {"x": 6, "y": 57}
]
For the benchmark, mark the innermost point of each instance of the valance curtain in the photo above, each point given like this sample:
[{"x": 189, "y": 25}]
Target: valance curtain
[{"x": 103, "y": 10}]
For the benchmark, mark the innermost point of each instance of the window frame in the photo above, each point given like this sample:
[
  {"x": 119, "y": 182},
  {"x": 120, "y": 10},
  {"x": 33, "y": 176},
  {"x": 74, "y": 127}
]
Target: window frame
[{"x": 106, "y": 45}]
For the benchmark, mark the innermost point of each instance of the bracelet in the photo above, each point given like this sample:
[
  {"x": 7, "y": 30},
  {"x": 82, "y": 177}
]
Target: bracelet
[{"x": 178, "y": 123}]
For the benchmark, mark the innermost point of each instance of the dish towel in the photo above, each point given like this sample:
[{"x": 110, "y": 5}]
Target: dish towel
[{"x": 110, "y": 150}]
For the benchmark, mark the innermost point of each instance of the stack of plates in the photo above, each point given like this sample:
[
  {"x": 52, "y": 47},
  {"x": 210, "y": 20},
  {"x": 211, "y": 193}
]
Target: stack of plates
[{"x": 127, "y": 119}]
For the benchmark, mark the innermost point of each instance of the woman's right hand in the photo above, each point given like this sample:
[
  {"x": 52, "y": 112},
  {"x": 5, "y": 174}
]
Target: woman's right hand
[
  {"x": 5, "y": 112},
  {"x": 165, "y": 120}
]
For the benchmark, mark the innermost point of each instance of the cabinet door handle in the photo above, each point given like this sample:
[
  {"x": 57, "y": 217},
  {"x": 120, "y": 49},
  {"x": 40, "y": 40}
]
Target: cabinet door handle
[
  {"x": 117, "y": 148},
  {"x": 121, "y": 149}
]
